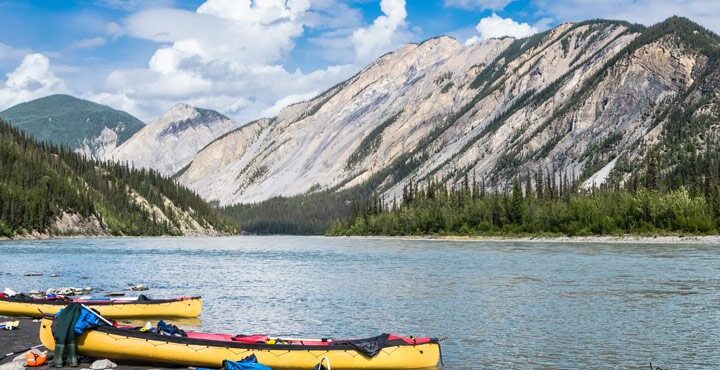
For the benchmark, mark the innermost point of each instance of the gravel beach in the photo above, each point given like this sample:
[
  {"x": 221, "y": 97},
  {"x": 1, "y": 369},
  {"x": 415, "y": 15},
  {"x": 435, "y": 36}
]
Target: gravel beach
[{"x": 27, "y": 336}]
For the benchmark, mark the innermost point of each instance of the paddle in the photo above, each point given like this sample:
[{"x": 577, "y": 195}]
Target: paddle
[{"x": 21, "y": 351}]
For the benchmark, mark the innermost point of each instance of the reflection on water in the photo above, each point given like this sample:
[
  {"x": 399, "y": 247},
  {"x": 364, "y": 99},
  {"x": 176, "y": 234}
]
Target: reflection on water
[{"x": 499, "y": 305}]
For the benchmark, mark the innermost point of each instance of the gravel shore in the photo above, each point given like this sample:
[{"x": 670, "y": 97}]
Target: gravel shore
[{"x": 27, "y": 336}]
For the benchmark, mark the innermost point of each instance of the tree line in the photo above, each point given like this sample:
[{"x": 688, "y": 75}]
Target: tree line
[
  {"x": 306, "y": 214},
  {"x": 539, "y": 205}
]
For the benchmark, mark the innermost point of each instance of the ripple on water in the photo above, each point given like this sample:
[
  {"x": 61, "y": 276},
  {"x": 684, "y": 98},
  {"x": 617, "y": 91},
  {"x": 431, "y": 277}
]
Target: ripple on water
[{"x": 500, "y": 305}]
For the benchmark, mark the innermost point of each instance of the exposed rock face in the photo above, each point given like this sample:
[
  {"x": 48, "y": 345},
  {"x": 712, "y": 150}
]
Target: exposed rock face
[
  {"x": 74, "y": 224},
  {"x": 102, "y": 145},
  {"x": 170, "y": 142},
  {"x": 231, "y": 157},
  {"x": 183, "y": 221},
  {"x": 572, "y": 102}
]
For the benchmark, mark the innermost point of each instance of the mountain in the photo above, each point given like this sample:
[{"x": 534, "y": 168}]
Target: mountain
[
  {"x": 591, "y": 101},
  {"x": 90, "y": 128},
  {"x": 170, "y": 142},
  {"x": 47, "y": 190}
]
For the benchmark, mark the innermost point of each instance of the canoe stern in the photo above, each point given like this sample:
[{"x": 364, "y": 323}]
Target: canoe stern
[{"x": 46, "y": 336}]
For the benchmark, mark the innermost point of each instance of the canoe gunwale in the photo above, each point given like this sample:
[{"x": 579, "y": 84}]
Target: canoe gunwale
[
  {"x": 250, "y": 346},
  {"x": 100, "y": 303}
]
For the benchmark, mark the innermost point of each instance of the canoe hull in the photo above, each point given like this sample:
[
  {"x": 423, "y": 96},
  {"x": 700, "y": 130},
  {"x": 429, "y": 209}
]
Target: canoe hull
[
  {"x": 180, "y": 308},
  {"x": 123, "y": 347}
]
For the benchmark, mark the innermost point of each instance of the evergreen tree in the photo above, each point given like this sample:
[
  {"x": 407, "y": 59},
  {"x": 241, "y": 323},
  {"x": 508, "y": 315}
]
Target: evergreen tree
[{"x": 39, "y": 182}]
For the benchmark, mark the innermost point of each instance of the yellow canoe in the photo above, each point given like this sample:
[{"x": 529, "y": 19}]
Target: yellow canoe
[
  {"x": 182, "y": 307},
  {"x": 130, "y": 344}
]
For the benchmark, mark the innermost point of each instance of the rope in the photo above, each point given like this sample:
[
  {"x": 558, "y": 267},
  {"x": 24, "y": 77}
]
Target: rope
[{"x": 441, "y": 357}]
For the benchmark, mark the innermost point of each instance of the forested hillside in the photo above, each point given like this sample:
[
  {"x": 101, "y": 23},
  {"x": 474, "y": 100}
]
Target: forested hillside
[
  {"x": 87, "y": 127},
  {"x": 309, "y": 214},
  {"x": 52, "y": 190}
]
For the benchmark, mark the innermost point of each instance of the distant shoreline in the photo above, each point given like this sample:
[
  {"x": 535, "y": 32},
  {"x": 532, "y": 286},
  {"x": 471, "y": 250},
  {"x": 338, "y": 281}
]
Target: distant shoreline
[
  {"x": 629, "y": 239},
  {"x": 624, "y": 239},
  {"x": 63, "y": 237}
]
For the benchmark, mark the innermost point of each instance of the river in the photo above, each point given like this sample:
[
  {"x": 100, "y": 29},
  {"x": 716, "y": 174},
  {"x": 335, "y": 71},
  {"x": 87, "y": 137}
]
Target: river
[{"x": 495, "y": 304}]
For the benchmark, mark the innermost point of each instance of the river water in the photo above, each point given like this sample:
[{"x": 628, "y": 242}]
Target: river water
[{"x": 496, "y": 304}]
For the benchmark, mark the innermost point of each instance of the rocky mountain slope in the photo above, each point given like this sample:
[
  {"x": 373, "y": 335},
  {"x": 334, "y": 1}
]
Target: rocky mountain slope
[
  {"x": 170, "y": 142},
  {"x": 587, "y": 101},
  {"x": 90, "y": 128},
  {"x": 46, "y": 190}
]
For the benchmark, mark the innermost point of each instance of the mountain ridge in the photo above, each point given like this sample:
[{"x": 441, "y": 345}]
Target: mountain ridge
[
  {"x": 313, "y": 105},
  {"x": 90, "y": 128},
  {"x": 169, "y": 142},
  {"x": 586, "y": 100}
]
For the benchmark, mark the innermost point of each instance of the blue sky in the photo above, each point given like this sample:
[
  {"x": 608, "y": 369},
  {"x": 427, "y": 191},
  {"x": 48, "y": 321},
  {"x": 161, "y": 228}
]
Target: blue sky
[{"x": 249, "y": 58}]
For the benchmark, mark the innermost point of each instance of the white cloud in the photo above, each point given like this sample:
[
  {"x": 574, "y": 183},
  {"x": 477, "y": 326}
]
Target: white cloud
[
  {"x": 226, "y": 56},
  {"x": 478, "y": 4},
  {"x": 336, "y": 21},
  {"x": 495, "y": 26},
  {"x": 334, "y": 16},
  {"x": 647, "y": 12},
  {"x": 114, "y": 30},
  {"x": 384, "y": 34},
  {"x": 8, "y": 52},
  {"x": 88, "y": 43},
  {"x": 227, "y": 30},
  {"x": 32, "y": 79},
  {"x": 287, "y": 100}
]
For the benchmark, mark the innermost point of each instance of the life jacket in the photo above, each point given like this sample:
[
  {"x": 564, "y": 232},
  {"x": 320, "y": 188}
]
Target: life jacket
[{"x": 35, "y": 359}]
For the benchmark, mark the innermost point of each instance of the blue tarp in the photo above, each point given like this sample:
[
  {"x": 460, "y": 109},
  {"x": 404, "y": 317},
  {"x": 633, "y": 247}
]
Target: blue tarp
[
  {"x": 86, "y": 321},
  {"x": 248, "y": 363}
]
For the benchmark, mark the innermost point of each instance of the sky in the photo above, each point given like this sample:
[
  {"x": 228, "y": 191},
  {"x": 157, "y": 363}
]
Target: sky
[{"x": 249, "y": 58}]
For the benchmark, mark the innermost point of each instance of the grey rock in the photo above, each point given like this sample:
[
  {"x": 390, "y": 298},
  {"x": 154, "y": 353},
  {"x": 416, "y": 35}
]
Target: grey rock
[
  {"x": 102, "y": 364},
  {"x": 170, "y": 142}
]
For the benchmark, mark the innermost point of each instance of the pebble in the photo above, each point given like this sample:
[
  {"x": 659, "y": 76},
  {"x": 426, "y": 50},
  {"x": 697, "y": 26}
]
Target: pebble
[
  {"x": 103, "y": 364},
  {"x": 13, "y": 365}
]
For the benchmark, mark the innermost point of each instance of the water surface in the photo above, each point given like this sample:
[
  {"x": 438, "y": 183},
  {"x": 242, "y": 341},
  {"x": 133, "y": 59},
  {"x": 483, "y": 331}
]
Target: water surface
[{"x": 499, "y": 305}]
